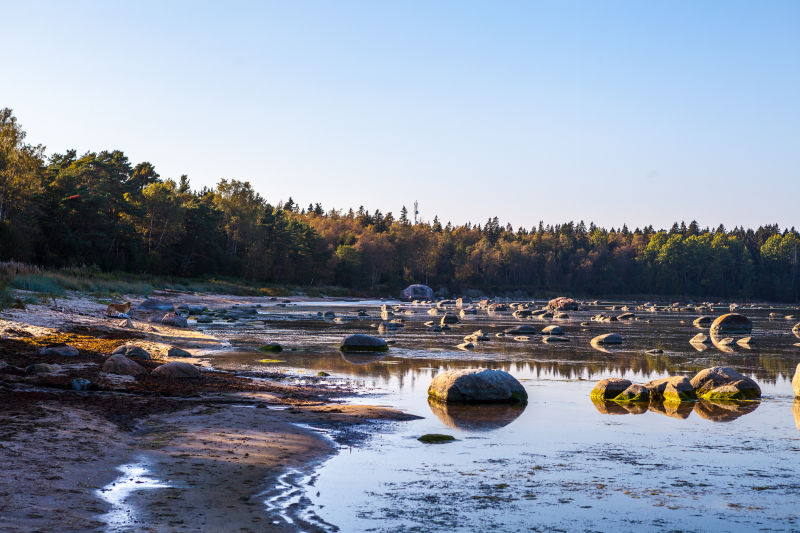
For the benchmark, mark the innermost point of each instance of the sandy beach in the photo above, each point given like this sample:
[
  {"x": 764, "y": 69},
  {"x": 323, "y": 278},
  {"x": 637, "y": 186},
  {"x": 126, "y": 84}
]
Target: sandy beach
[{"x": 213, "y": 448}]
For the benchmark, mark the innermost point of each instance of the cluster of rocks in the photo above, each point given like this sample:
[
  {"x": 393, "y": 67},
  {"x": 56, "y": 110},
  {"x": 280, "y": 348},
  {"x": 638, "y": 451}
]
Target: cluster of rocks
[
  {"x": 718, "y": 383},
  {"x": 122, "y": 362}
]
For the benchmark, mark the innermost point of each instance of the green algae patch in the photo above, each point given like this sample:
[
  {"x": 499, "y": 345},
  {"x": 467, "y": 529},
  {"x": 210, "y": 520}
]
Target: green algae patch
[
  {"x": 270, "y": 361},
  {"x": 436, "y": 438},
  {"x": 519, "y": 398},
  {"x": 323, "y": 374},
  {"x": 597, "y": 396},
  {"x": 673, "y": 397},
  {"x": 729, "y": 395},
  {"x": 622, "y": 398},
  {"x": 273, "y": 347}
]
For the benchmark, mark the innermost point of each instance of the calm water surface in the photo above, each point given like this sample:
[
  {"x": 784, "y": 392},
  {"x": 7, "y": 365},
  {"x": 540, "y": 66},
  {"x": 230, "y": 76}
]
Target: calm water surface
[{"x": 560, "y": 463}]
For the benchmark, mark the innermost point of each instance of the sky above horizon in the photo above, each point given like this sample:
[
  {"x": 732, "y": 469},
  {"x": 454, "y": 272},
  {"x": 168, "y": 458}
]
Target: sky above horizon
[{"x": 612, "y": 112}]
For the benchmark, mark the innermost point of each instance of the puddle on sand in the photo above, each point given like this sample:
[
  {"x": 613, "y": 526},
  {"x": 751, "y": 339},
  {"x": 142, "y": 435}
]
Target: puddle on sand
[
  {"x": 561, "y": 462},
  {"x": 122, "y": 516}
]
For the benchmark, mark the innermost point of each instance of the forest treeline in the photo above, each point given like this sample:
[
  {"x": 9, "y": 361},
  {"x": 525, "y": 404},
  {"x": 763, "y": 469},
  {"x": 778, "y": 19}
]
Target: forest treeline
[{"x": 99, "y": 209}]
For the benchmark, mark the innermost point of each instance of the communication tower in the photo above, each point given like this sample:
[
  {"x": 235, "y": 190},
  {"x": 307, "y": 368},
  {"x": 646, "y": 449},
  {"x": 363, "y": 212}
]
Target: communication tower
[{"x": 416, "y": 211}]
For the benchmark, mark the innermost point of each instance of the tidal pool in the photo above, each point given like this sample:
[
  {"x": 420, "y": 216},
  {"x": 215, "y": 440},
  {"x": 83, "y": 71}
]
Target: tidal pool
[{"x": 561, "y": 462}]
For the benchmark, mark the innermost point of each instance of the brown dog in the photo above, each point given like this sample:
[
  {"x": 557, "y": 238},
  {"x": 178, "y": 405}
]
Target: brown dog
[{"x": 115, "y": 309}]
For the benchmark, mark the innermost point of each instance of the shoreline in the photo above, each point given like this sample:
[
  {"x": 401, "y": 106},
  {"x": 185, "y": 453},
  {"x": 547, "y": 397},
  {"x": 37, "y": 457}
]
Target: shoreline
[{"x": 220, "y": 446}]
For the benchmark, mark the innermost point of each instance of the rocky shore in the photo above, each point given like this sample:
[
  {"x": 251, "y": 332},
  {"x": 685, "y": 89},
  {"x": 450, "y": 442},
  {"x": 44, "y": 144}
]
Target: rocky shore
[{"x": 216, "y": 444}]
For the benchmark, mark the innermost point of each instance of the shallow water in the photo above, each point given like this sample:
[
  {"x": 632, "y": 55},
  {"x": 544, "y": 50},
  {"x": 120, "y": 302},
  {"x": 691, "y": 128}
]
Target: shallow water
[{"x": 560, "y": 462}]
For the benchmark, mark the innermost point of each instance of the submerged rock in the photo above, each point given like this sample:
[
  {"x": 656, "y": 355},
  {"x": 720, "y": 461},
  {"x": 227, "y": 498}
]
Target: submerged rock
[
  {"x": 610, "y": 388},
  {"x": 131, "y": 350},
  {"x": 477, "y": 386},
  {"x": 724, "y": 383},
  {"x": 363, "y": 343},
  {"x": 608, "y": 338},
  {"x": 271, "y": 347},
  {"x": 436, "y": 438},
  {"x": 119, "y": 364},
  {"x": 62, "y": 350},
  {"x": 522, "y": 330},
  {"x": 41, "y": 368},
  {"x": 176, "y": 370},
  {"x": 731, "y": 324}
]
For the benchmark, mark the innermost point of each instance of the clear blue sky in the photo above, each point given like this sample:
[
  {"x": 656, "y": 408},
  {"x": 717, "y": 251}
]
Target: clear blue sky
[{"x": 638, "y": 112}]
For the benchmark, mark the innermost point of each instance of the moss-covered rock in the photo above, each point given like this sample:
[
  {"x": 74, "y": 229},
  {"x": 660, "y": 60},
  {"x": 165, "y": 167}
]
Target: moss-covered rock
[
  {"x": 734, "y": 391},
  {"x": 724, "y": 383},
  {"x": 272, "y": 347},
  {"x": 634, "y": 393},
  {"x": 436, "y": 438},
  {"x": 609, "y": 388}
]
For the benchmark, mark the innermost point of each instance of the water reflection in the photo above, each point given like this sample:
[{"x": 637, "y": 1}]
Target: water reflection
[
  {"x": 476, "y": 417},
  {"x": 713, "y": 411},
  {"x": 362, "y": 358}
]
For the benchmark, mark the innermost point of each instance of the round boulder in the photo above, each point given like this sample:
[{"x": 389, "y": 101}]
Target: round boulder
[
  {"x": 176, "y": 370},
  {"x": 119, "y": 364},
  {"x": 563, "y": 304},
  {"x": 363, "y": 343},
  {"x": 724, "y": 383},
  {"x": 477, "y": 386},
  {"x": 796, "y": 330},
  {"x": 131, "y": 350},
  {"x": 62, "y": 350},
  {"x": 731, "y": 324},
  {"x": 608, "y": 338},
  {"x": 552, "y": 330},
  {"x": 174, "y": 320},
  {"x": 634, "y": 393},
  {"x": 796, "y": 382},
  {"x": 178, "y": 352}
]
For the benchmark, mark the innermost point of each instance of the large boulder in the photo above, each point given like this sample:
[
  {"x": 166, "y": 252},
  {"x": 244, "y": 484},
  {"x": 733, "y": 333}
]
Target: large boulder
[
  {"x": 796, "y": 382},
  {"x": 131, "y": 350},
  {"x": 522, "y": 330},
  {"x": 796, "y": 330},
  {"x": 363, "y": 343},
  {"x": 607, "y": 338},
  {"x": 417, "y": 292},
  {"x": 176, "y": 370},
  {"x": 731, "y": 324},
  {"x": 119, "y": 364},
  {"x": 610, "y": 388},
  {"x": 449, "y": 318},
  {"x": 563, "y": 304},
  {"x": 724, "y": 383},
  {"x": 477, "y": 386},
  {"x": 62, "y": 350},
  {"x": 175, "y": 320},
  {"x": 671, "y": 389},
  {"x": 552, "y": 330}
]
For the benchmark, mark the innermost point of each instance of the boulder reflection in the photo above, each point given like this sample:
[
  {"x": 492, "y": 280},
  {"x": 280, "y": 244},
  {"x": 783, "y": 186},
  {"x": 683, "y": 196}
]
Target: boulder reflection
[
  {"x": 476, "y": 417},
  {"x": 362, "y": 358},
  {"x": 713, "y": 411},
  {"x": 796, "y": 412}
]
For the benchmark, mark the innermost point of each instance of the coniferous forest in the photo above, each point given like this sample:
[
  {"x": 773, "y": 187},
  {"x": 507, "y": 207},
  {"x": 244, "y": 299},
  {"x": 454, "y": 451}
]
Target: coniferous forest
[{"x": 100, "y": 209}]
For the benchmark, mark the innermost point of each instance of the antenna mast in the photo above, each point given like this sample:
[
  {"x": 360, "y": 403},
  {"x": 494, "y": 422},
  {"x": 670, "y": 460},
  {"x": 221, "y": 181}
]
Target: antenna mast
[{"x": 416, "y": 211}]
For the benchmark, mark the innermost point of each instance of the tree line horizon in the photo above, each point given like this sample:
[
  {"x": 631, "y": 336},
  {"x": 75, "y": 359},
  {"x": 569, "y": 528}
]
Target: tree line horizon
[{"x": 99, "y": 209}]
